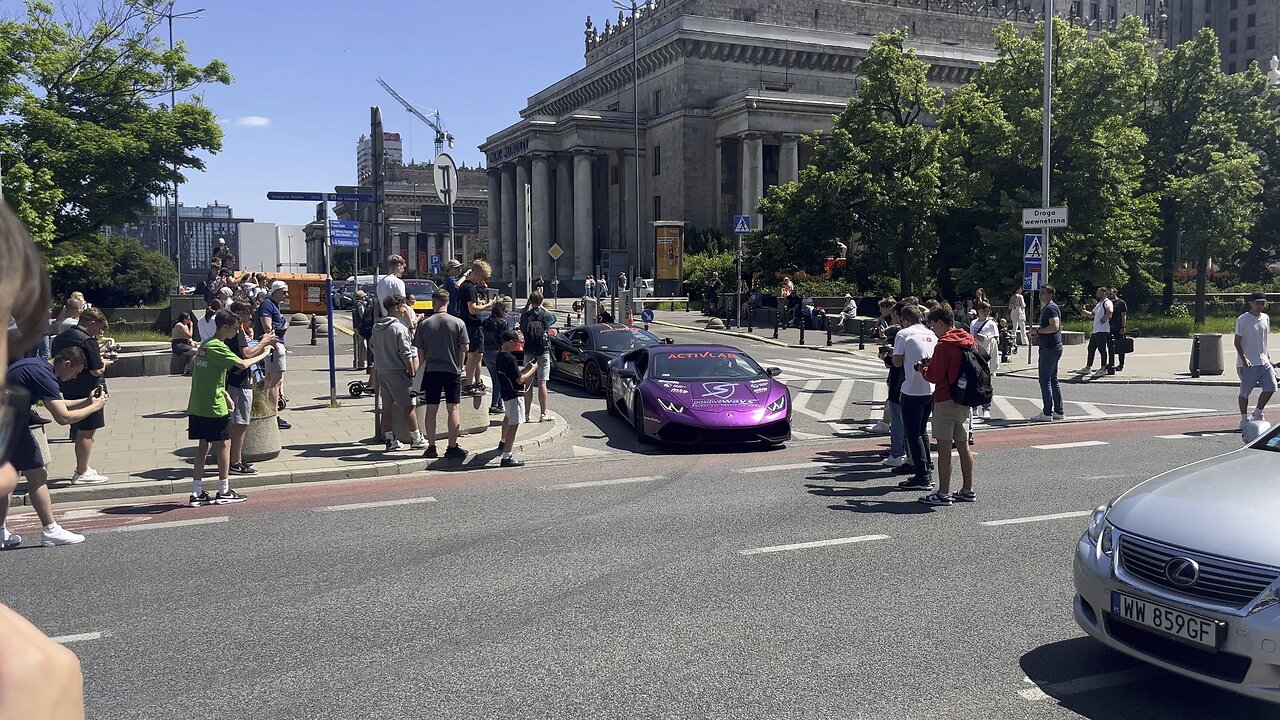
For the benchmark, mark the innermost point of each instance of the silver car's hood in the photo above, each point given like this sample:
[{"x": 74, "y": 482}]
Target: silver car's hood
[{"x": 1228, "y": 506}]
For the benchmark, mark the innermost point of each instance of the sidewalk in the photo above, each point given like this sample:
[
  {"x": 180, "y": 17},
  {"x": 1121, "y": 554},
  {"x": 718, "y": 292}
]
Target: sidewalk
[
  {"x": 1154, "y": 361},
  {"x": 145, "y": 451}
]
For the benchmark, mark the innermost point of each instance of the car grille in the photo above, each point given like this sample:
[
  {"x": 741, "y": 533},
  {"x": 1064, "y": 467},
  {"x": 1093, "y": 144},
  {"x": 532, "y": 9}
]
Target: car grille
[
  {"x": 1222, "y": 582},
  {"x": 674, "y": 432}
]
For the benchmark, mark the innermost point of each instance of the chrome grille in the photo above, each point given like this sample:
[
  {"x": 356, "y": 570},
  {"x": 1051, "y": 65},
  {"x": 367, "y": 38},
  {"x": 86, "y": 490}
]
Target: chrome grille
[{"x": 1222, "y": 582}]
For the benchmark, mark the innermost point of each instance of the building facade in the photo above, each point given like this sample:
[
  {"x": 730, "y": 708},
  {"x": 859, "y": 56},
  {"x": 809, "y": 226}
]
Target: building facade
[
  {"x": 189, "y": 240},
  {"x": 392, "y": 154},
  {"x": 726, "y": 90},
  {"x": 1248, "y": 30}
]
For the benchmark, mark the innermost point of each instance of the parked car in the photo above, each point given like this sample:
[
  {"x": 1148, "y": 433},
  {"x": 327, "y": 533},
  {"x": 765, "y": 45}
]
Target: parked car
[{"x": 581, "y": 354}]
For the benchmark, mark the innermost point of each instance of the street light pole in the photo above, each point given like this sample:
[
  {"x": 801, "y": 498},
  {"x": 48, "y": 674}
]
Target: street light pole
[
  {"x": 635, "y": 103},
  {"x": 177, "y": 227},
  {"x": 1046, "y": 170}
]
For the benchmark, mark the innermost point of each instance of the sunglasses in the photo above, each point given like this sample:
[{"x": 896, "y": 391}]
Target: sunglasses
[{"x": 15, "y": 411}]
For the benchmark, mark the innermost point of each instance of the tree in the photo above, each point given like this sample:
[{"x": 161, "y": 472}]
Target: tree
[
  {"x": 115, "y": 272},
  {"x": 84, "y": 135}
]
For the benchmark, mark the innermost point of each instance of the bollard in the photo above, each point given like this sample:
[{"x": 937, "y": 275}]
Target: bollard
[
  {"x": 828, "y": 333},
  {"x": 777, "y": 319},
  {"x": 750, "y": 319},
  {"x": 862, "y": 334},
  {"x": 313, "y": 333},
  {"x": 802, "y": 331},
  {"x": 1195, "y": 357}
]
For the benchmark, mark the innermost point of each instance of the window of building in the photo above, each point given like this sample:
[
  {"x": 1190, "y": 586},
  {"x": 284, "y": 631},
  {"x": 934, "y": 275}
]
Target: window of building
[
  {"x": 1231, "y": 47},
  {"x": 1252, "y": 20},
  {"x": 1234, "y": 4},
  {"x": 613, "y": 175},
  {"x": 657, "y": 159},
  {"x": 1234, "y": 24},
  {"x": 1250, "y": 42},
  {"x": 1253, "y": 2},
  {"x": 657, "y": 207},
  {"x": 613, "y": 107},
  {"x": 1095, "y": 12},
  {"x": 1231, "y": 68},
  {"x": 1208, "y": 6},
  {"x": 1111, "y": 13},
  {"x": 657, "y": 102},
  {"x": 1075, "y": 8}
]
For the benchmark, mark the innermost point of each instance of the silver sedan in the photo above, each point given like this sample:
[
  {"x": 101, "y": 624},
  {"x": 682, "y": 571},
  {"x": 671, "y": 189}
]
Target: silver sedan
[{"x": 1183, "y": 571}]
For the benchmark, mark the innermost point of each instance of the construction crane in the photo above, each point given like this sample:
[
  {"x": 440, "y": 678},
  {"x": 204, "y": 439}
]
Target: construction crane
[{"x": 442, "y": 137}]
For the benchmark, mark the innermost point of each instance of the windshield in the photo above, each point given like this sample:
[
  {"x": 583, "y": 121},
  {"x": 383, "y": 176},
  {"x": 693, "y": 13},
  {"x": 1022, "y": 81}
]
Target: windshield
[
  {"x": 704, "y": 365},
  {"x": 623, "y": 339},
  {"x": 420, "y": 289}
]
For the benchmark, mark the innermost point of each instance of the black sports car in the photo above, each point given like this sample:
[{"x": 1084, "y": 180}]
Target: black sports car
[{"x": 581, "y": 354}]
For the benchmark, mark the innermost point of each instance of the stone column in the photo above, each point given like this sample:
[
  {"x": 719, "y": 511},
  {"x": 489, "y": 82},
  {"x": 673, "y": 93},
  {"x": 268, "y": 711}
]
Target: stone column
[
  {"x": 789, "y": 160},
  {"x": 628, "y": 210},
  {"x": 718, "y": 189},
  {"x": 522, "y": 234},
  {"x": 508, "y": 222},
  {"x": 583, "y": 215},
  {"x": 564, "y": 214},
  {"x": 495, "y": 220},
  {"x": 752, "y": 175},
  {"x": 541, "y": 216}
]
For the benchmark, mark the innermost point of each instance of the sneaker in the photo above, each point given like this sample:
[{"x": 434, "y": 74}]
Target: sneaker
[
  {"x": 243, "y": 468},
  {"x": 431, "y": 453},
  {"x": 879, "y": 428},
  {"x": 88, "y": 477},
  {"x": 1085, "y": 370},
  {"x": 916, "y": 484},
  {"x": 544, "y": 418},
  {"x": 200, "y": 500},
  {"x": 893, "y": 462},
  {"x": 965, "y": 496},
  {"x": 9, "y": 540},
  {"x": 229, "y": 497},
  {"x": 1041, "y": 417},
  {"x": 418, "y": 443},
  {"x": 512, "y": 462},
  {"x": 453, "y": 451},
  {"x": 59, "y": 536},
  {"x": 496, "y": 411},
  {"x": 1257, "y": 415},
  {"x": 986, "y": 413},
  {"x": 936, "y": 499},
  {"x": 1057, "y": 417},
  {"x": 393, "y": 444},
  {"x": 282, "y": 424},
  {"x": 1111, "y": 371}
]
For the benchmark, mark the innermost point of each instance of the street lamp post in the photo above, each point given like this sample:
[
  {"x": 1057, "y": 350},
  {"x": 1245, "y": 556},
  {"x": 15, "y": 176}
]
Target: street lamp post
[
  {"x": 177, "y": 229},
  {"x": 635, "y": 102}
]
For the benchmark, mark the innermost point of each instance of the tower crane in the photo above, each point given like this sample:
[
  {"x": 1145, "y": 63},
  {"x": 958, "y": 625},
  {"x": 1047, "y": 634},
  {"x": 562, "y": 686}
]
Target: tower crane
[{"x": 442, "y": 137}]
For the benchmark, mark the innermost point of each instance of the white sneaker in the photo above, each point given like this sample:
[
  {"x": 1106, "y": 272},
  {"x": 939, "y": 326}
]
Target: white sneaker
[
  {"x": 59, "y": 536},
  {"x": 893, "y": 462},
  {"x": 8, "y": 540},
  {"x": 419, "y": 443},
  {"x": 879, "y": 428},
  {"x": 986, "y": 414},
  {"x": 1041, "y": 418},
  {"x": 1057, "y": 417},
  {"x": 1257, "y": 415},
  {"x": 88, "y": 477}
]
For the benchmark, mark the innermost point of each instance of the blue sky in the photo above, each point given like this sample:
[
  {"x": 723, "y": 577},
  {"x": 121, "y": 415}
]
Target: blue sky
[{"x": 305, "y": 79}]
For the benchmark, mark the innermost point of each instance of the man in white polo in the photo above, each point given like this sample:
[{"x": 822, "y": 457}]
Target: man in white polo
[{"x": 1253, "y": 364}]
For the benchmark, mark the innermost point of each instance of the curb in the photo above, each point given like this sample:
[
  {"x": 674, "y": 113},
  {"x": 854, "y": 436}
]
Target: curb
[
  {"x": 1113, "y": 380},
  {"x": 414, "y": 466},
  {"x": 751, "y": 336}
]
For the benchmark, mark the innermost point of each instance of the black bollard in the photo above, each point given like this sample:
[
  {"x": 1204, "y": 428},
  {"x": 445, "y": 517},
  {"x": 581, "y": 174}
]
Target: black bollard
[
  {"x": 750, "y": 319},
  {"x": 777, "y": 320},
  {"x": 802, "y": 331},
  {"x": 828, "y": 323},
  {"x": 862, "y": 334}
]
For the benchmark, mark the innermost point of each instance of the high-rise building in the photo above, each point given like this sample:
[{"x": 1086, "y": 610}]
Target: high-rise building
[
  {"x": 1247, "y": 30},
  {"x": 392, "y": 152},
  {"x": 199, "y": 229}
]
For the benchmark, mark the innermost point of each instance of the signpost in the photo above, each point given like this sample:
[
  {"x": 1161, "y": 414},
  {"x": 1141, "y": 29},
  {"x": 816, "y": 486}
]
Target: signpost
[
  {"x": 446, "y": 177},
  {"x": 555, "y": 251},
  {"x": 435, "y": 265},
  {"x": 741, "y": 227},
  {"x": 318, "y": 197},
  {"x": 1044, "y": 217},
  {"x": 1032, "y": 262}
]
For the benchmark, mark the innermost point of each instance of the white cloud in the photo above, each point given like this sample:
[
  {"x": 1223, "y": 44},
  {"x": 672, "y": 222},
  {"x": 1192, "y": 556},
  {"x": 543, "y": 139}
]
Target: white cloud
[
  {"x": 253, "y": 121},
  {"x": 223, "y": 121}
]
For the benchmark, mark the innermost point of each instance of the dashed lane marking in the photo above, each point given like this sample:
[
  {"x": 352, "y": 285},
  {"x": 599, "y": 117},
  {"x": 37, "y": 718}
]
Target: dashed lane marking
[
  {"x": 779, "y": 468},
  {"x": 1065, "y": 446},
  {"x": 603, "y": 483},
  {"x": 169, "y": 524},
  {"x": 378, "y": 504},
  {"x": 81, "y": 637},
  {"x": 814, "y": 544},
  {"x": 1037, "y": 518},
  {"x": 1089, "y": 683}
]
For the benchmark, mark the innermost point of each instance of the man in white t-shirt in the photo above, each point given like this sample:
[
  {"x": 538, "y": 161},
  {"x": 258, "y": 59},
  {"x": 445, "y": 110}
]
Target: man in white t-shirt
[
  {"x": 986, "y": 337},
  {"x": 1253, "y": 364},
  {"x": 913, "y": 346},
  {"x": 1101, "y": 336},
  {"x": 390, "y": 284}
]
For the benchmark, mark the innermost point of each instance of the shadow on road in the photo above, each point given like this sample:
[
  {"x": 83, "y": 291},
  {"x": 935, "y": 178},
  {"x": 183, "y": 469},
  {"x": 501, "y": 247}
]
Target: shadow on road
[
  {"x": 621, "y": 436},
  {"x": 862, "y": 466},
  {"x": 150, "y": 510}
]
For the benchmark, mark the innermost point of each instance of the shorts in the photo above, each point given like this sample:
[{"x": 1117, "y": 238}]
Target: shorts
[
  {"x": 1258, "y": 376},
  {"x": 475, "y": 337},
  {"x": 394, "y": 386},
  {"x": 515, "y": 411},
  {"x": 243, "y": 398},
  {"x": 208, "y": 429},
  {"x": 949, "y": 425},
  {"x": 276, "y": 360},
  {"x": 441, "y": 384},
  {"x": 96, "y": 421},
  {"x": 544, "y": 365},
  {"x": 30, "y": 449}
]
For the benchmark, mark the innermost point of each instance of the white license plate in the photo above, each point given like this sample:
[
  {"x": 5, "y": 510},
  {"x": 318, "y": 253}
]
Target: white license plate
[{"x": 1166, "y": 620}]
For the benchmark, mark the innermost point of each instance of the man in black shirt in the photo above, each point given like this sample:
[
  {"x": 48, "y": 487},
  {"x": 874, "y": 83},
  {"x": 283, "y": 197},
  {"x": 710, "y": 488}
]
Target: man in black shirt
[
  {"x": 85, "y": 336},
  {"x": 1119, "y": 326},
  {"x": 512, "y": 379},
  {"x": 474, "y": 302}
]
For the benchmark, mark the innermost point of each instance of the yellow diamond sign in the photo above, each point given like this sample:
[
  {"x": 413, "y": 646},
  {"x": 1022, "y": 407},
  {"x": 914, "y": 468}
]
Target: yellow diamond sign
[{"x": 555, "y": 251}]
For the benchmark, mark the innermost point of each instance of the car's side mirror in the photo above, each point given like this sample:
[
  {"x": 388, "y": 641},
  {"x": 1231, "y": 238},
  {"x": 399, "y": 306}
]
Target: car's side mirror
[
  {"x": 773, "y": 371},
  {"x": 627, "y": 373},
  {"x": 579, "y": 343},
  {"x": 668, "y": 341}
]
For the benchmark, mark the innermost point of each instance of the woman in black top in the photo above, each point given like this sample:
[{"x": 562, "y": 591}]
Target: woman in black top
[{"x": 492, "y": 329}]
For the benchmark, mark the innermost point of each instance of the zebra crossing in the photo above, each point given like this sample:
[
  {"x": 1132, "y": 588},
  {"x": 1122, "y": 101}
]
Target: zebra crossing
[{"x": 846, "y": 393}]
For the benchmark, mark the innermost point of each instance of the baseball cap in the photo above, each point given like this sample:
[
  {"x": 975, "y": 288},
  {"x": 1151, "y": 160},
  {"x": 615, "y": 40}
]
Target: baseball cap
[
  {"x": 509, "y": 335},
  {"x": 1257, "y": 297},
  {"x": 453, "y": 264},
  {"x": 279, "y": 285}
]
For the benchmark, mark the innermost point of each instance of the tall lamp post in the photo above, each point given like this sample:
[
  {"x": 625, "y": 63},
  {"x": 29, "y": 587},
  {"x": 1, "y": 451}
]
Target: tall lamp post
[
  {"x": 634, "y": 8},
  {"x": 170, "y": 15}
]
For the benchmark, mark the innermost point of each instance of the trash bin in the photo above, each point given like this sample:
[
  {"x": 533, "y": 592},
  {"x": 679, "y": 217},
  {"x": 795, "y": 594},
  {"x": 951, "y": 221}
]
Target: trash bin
[{"x": 1207, "y": 350}]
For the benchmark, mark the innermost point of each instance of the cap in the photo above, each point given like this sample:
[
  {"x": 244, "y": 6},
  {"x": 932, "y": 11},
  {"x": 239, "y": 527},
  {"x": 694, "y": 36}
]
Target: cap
[
  {"x": 360, "y": 295},
  {"x": 222, "y": 241},
  {"x": 279, "y": 285},
  {"x": 453, "y": 264},
  {"x": 1257, "y": 297},
  {"x": 973, "y": 313},
  {"x": 847, "y": 296},
  {"x": 509, "y": 335}
]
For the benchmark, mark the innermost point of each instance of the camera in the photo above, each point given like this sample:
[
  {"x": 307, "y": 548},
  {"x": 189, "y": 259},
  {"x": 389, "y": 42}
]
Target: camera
[{"x": 921, "y": 365}]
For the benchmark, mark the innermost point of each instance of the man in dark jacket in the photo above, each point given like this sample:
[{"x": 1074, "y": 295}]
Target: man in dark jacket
[
  {"x": 949, "y": 416},
  {"x": 493, "y": 328}
]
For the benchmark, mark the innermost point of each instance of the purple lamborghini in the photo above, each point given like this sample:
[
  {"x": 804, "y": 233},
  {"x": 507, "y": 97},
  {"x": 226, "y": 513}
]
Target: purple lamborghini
[{"x": 687, "y": 394}]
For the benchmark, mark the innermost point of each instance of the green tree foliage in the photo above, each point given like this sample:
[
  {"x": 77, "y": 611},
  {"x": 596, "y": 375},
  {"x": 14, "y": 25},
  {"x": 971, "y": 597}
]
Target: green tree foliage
[
  {"x": 86, "y": 136},
  {"x": 115, "y": 272},
  {"x": 699, "y": 266}
]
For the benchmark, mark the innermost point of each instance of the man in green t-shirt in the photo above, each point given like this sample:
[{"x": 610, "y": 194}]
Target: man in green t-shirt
[{"x": 209, "y": 408}]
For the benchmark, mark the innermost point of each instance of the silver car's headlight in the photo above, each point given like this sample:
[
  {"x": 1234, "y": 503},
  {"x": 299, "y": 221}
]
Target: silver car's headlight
[
  {"x": 776, "y": 405},
  {"x": 1100, "y": 532}
]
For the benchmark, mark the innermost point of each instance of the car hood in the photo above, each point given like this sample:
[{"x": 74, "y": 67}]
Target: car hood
[
  {"x": 717, "y": 396},
  {"x": 1225, "y": 506}
]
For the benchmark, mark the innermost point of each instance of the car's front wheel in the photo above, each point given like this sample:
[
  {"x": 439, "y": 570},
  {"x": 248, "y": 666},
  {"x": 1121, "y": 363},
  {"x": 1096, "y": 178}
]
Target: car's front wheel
[
  {"x": 637, "y": 417},
  {"x": 591, "y": 379},
  {"x": 610, "y": 406}
]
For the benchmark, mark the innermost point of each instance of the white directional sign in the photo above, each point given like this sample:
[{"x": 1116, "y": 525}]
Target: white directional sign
[
  {"x": 446, "y": 177},
  {"x": 1044, "y": 217}
]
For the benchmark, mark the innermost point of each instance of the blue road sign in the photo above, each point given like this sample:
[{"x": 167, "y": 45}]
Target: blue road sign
[
  {"x": 307, "y": 196},
  {"x": 344, "y": 237},
  {"x": 1033, "y": 248},
  {"x": 646, "y": 315},
  {"x": 348, "y": 197},
  {"x": 1031, "y": 279},
  {"x": 344, "y": 224},
  {"x": 435, "y": 264},
  {"x": 741, "y": 224},
  {"x": 344, "y": 242}
]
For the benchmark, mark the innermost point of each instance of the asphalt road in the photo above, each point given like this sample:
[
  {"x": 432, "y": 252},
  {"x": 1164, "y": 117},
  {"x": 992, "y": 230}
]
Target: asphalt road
[{"x": 621, "y": 585}]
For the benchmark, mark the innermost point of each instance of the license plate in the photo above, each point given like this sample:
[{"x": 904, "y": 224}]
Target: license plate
[{"x": 1166, "y": 620}]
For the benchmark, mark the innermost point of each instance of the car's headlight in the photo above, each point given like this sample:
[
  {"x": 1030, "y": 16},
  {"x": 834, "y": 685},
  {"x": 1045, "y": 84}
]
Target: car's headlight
[
  {"x": 777, "y": 405},
  {"x": 670, "y": 406},
  {"x": 1097, "y": 519}
]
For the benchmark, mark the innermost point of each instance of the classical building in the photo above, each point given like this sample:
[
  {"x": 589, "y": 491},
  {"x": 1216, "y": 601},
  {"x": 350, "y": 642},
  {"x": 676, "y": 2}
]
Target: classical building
[
  {"x": 1248, "y": 30},
  {"x": 726, "y": 89}
]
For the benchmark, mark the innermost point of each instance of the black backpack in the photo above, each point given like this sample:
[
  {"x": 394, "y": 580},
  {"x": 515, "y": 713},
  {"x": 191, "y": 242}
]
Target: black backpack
[
  {"x": 364, "y": 319},
  {"x": 535, "y": 334},
  {"x": 972, "y": 387}
]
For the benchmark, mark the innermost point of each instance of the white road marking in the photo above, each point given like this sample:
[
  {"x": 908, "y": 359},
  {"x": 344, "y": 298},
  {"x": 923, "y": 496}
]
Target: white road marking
[
  {"x": 81, "y": 637},
  {"x": 1184, "y": 436},
  {"x": 579, "y": 451},
  {"x": 879, "y": 393},
  {"x": 602, "y": 483},
  {"x": 1089, "y": 683},
  {"x": 80, "y": 513},
  {"x": 1006, "y": 408},
  {"x": 170, "y": 524},
  {"x": 835, "y": 411},
  {"x": 800, "y": 400},
  {"x": 377, "y": 504},
  {"x": 771, "y": 468},
  {"x": 1090, "y": 409},
  {"x": 816, "y": 543},
  {"x": 1037, "y": 518},
  {"x": 1064, "y": 446},
  {"x": 797, "y": 435}
]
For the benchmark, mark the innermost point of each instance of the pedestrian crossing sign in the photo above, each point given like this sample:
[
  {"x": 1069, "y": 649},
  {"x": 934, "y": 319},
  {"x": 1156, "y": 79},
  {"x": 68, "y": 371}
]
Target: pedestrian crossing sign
[
  {"x": 1033, "y": 247},
  {"x": 742, "y": 224}
]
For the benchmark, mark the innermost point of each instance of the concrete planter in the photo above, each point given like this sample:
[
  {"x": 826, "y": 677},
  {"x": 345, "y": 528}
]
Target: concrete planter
[{"x": 262, "y": 439}]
